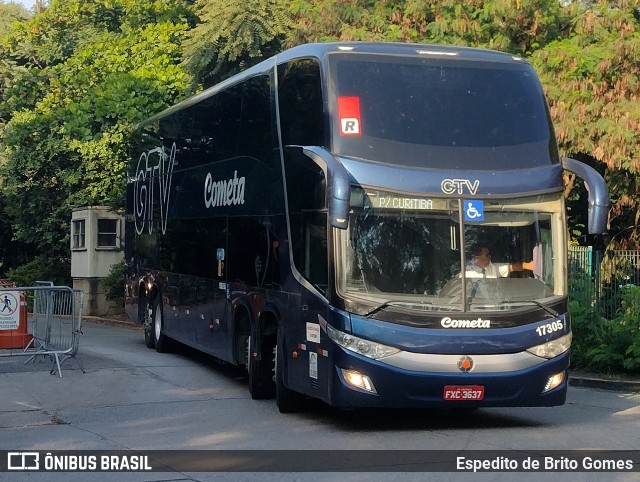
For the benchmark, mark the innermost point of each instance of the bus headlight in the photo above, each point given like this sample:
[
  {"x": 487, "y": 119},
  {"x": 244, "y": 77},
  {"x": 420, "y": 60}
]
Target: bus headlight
[
  {"x": 361, "y": 346},
  {"x": 552, "y": 348}
]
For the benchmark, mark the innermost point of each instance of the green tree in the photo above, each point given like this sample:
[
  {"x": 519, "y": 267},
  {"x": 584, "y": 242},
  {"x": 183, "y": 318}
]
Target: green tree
[
  {"x": 11, "y": 251},
  {"x": 233, "y": 35},
  {"x": 592, "y": 83},
  {"x": 92, "y": 70},
  {"x": 10, "y": 14},
  {"x": 513, "y": 26}
]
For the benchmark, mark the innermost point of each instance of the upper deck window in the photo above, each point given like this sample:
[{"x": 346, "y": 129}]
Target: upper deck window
[
  {"x": 439, "y": 112},
  {"x": 300, "y": 100}
]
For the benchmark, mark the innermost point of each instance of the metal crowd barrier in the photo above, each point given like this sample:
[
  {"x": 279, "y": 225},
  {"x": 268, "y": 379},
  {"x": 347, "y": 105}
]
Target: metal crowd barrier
[{"x": 54, "y": 321}]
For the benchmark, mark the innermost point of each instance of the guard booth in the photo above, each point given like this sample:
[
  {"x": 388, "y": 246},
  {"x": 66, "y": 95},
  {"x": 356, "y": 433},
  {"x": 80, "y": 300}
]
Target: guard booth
[{"x": 96, "y": 244}]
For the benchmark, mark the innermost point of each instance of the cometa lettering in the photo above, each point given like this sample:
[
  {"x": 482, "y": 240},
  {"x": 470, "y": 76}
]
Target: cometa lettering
[
  {"x": 223, "y": 193},
  {"x": 447, "y": 322}
]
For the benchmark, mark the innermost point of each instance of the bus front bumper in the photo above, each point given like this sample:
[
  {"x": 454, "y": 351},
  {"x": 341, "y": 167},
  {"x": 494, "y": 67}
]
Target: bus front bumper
[{"x": 517, "y": 379}]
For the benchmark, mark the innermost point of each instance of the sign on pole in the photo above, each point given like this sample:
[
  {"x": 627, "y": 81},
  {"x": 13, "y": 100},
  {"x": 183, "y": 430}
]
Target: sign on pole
[{"x": 9, "y": 310}]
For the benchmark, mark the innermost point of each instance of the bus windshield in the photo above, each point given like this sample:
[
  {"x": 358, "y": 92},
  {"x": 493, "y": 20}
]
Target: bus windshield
[
  {"x": 439, "y": 111},
  {"x": 408, "y": 252}
]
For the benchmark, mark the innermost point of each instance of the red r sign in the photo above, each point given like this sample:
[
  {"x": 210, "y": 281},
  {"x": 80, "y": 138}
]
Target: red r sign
[{"x": 349, "y": 115}]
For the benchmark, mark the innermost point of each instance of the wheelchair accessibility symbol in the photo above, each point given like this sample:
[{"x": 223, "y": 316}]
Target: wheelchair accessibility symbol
[{"x": 473, "y": 210}]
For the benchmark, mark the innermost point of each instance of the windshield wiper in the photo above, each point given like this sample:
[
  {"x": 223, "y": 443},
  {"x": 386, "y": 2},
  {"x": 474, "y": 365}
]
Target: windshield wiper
[
  {"x": 552, "y": 312},
  {"x": 401, "y": 303},
  {"x": 382, "y": 306}
]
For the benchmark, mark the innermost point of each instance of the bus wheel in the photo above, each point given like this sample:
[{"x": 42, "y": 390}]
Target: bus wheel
[
  {"x": 159, "y": 338},
  {"x": 287, "y": 400},
  {"x": 260, "y": 372},
  {"x": 148, "y": 328}
]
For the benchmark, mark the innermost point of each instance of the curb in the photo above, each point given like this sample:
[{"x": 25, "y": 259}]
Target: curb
[
  {"x": 603, "y": 383},
  {"x": 125, "y": 323}
]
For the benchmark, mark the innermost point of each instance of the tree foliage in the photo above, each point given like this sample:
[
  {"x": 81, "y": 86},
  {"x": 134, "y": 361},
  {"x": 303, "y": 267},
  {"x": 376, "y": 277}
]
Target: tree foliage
[
  {"x": 592, "y": 83},
  {"x": 93, "y": 69},
  {"x": 233, "y": 35},
  {"x": 10, "y": 14},
  {"x": 512, "y": 26}
]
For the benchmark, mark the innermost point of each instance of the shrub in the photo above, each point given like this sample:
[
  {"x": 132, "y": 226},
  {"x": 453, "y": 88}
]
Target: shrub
[
  {"x": 626, "y": 326},
  {"x": 42, "y": 268},
  {"x": 113, "y": 283},
  {"x": 607, "y": 345}
]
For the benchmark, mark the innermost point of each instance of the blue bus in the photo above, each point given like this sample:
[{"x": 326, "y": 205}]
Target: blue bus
[{"x": 321, "y": 219}]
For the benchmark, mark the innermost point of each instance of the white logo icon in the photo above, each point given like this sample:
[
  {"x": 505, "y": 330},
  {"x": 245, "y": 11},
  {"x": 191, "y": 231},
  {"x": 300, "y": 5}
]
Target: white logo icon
[
  {"x": 472, "y": 212},
  {"x": 23, "y": 461},
  {"x": 350, "y": 125}
]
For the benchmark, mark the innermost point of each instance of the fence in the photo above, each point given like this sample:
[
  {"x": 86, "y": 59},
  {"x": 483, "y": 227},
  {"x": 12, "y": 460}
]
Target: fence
[
  {"x": 599, "y": 277},
  {"x": 53, "y": 320}
]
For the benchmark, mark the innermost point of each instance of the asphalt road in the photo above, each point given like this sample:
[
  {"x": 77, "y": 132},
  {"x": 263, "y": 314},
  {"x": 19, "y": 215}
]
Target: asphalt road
[{"x": 131, "y": 398}]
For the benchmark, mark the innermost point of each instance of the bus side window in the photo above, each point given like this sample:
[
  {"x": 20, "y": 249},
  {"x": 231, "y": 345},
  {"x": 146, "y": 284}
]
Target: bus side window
[
  {"x": 226, "y": 123},
  {"x": 300, "y": 101},
  {"x": 306, "y": 189},
  {"x": 256, "y": 131}
]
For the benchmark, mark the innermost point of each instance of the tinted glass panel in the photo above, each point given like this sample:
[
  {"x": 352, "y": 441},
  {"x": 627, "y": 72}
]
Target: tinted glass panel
[
  {"x": 234, "y": 122},
  {"x": 440, "y": 113},
  {"x": 300, "y": 98},
  {"x": 306, "y": 193},
  {"x": 255, "y": 123}
]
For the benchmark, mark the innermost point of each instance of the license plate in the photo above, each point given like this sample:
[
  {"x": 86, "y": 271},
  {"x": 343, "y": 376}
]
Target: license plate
[{"x": 463, "y": 392}]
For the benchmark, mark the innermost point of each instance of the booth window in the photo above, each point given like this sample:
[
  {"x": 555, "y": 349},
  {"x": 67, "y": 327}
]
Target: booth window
[
  {"x": 78, "y": 234},
  {"x": 107, "y": 233}
]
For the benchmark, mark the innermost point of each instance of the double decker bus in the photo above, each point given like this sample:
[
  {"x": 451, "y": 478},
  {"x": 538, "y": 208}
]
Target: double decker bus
[{"x": 315, "y": 217}]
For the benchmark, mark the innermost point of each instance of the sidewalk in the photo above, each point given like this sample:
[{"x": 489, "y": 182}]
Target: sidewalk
[{"x": 577, "y": 378}]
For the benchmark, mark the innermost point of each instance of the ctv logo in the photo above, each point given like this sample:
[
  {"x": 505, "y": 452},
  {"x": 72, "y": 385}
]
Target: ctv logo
[
  {"x": 155, "y": 168},
  {"x": 459, "y": 186},
  {"x": 23, "y": 461}
]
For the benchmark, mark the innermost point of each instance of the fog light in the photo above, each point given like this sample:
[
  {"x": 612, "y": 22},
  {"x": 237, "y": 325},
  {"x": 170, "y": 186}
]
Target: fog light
[
  {"x": 554, "y": 381},
  {"x": 358, "y": 380}
]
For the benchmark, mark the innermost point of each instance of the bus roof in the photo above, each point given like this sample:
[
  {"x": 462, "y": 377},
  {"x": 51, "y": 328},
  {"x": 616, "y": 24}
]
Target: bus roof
[{"x": 319, "y": 50}]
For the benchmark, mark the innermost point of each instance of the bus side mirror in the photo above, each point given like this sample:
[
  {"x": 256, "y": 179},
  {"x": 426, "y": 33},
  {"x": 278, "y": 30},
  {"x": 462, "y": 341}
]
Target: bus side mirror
[
  {"x": 338, "y": 185},
  {"x": 598, "y": 194}
]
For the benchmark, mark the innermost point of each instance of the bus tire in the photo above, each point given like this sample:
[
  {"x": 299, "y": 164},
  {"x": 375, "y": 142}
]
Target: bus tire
[
  {"x": 160, "y": 340},
  {"x": 149, "y": 340},
  {"x": 260, "y": 372},
  {"x": 287, "y": 400}
]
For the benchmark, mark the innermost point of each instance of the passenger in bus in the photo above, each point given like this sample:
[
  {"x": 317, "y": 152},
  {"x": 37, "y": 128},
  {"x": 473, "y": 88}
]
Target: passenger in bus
[{"x": 481, "y": 266}]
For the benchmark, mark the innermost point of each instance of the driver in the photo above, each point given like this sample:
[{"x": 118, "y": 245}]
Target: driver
[{"x": 481, "y": 266}]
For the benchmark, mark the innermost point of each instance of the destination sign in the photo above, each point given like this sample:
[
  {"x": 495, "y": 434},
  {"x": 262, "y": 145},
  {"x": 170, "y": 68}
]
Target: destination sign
[{"x": 411, "y": 203}]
